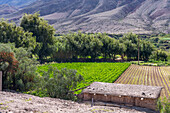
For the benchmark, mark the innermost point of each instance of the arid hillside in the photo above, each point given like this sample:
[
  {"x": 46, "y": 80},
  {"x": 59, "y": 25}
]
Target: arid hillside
[
  {"x": 7, "y": 9},
  {"x": 17, "y": 3},
  {"x": 111, "y": 16}
]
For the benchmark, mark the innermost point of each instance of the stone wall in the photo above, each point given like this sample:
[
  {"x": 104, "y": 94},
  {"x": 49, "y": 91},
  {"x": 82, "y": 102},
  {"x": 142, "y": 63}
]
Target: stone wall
[
  {"x": 0, "y": 81},
  {"x": 126, "y": 100}
]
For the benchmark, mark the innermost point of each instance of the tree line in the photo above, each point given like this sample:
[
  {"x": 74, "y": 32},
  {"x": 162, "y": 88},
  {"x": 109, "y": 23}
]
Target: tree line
[
  {"x": 76, "y": 45},
  {"x": 36, "y": 34}
]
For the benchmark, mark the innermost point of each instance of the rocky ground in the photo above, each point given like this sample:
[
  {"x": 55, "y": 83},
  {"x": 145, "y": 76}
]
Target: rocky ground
[{"x": 24, "y": 103}]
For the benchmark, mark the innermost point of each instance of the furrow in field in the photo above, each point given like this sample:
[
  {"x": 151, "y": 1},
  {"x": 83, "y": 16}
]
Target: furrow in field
[
  {"x": 160, "y": 81},
  {"x": 123, "y": 75},
  {"x": 139, "y": 75},
  {"x": 147, "y": 75},
  {"x": 164, "y": 83},
  {"x": 132, "y": 75}
]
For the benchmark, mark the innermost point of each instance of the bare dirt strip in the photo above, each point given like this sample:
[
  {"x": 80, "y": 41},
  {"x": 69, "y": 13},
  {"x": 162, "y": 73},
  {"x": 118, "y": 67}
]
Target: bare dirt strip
[{"x": 147, "y": 75}]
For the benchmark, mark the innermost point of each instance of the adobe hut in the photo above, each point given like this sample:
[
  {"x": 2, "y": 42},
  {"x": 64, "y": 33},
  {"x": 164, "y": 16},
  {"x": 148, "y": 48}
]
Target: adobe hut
[
  {"x": 133, "y": 95},
  {"x": 0, "y": 81}
]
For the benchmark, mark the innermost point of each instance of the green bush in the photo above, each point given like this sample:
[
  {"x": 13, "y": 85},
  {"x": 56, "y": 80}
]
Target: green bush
[
  {"x": 163, "y": 106},
  {"x": 18, "y": 68},
  {"x": 58, "y": 83}
]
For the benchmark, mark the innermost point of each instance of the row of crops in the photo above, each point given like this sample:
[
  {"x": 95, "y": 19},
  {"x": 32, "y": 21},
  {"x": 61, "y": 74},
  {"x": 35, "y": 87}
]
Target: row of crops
[
  {"x": 147, "y": 75},
  {"x": 100, "y": 72}
]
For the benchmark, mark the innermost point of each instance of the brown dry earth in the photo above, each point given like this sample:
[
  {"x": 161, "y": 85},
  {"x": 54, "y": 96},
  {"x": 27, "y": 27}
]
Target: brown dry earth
[
  {"x": 147, "y": 75},
  {"x": 92, "y": 16},
  {"x": 24, "y": 103}
]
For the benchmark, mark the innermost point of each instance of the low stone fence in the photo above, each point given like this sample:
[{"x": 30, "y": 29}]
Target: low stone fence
[{"x": 0, "y": 81}]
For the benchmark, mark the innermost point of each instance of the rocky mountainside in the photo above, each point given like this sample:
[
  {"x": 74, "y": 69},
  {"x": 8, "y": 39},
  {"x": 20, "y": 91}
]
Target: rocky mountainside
[
  {"x": 17, "y": 3},
  {"x": 12, "y": 6},
  {"x": 7, "y": 9},
  {"x": 111, "y": 16}
]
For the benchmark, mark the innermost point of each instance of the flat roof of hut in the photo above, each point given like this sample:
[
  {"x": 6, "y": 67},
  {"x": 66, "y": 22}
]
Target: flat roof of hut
[{"x": 124, "y": 90}]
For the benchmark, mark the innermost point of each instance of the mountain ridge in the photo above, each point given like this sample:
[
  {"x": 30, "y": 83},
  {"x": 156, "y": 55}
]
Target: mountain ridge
[
  {"x": 16, "y": 3},
  {"x": 110, "y": 16}
]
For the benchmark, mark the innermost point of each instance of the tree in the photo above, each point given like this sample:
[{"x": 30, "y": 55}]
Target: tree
[
  {"x": 43, "y": 32},
  {"x": 131, "y": 41},
  {"x": 8, "y": 63},
  {"x": 146, "y": 50},
  {"x": 115, "y": 48},
  {"x": 95, "y": 46},
  {"x": 106, "y": 48},
  {"x": 159, "y": 55},
  {"x": 84, "y": 45},
  {"x": 9, "y": 32},
  {"x": 19, "y": 70},
  {"x": 131, "y": 49},
  {"x": 122, "y": 50},
  {"x": 77, "y": 43},
  {"x": 61, "y": 50}
]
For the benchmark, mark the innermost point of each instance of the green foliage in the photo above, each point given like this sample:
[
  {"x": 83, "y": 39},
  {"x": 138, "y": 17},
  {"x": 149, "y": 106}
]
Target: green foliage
[
  {"x": 91, "y": 72},
  {"x": 161, "y": 41},
  {"x": 9, "y": 32},
  {"x": 20, "y": 73},
  {"x": 59, "y": 83},
  {"x": 107, "y": 45},
  {"x": 95, "y": 46},
  {"x": 159, "y": 55},
  {"x": 163, "y": 106},
  {"x": 146, "y": 49},
  {"x": 84, "y": 45},
  {"x": 132, "y": 42},
  {"x": 43, "y": 32},
  {"x": 76, "y": 45},
  {"x": 111, "y": 47},
  {"x": 61, "y": 50}
]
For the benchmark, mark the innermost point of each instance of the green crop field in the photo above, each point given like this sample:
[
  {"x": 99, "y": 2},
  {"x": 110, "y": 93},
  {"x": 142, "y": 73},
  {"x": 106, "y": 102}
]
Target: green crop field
[{"x": 100, "y": 72}]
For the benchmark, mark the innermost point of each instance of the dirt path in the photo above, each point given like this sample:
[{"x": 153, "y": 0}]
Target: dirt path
[{"x": 23, "y": 103}]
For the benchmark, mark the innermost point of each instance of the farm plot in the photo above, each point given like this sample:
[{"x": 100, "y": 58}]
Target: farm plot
[
  {"x": 99, "y": 72},
  {"x": 147, "y": 75}
]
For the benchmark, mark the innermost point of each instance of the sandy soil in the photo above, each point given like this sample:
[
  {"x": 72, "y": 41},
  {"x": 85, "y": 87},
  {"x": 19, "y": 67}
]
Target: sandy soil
[{"x": 24, "y": 103}]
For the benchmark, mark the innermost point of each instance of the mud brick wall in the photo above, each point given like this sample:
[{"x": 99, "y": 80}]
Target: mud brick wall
[
  {"x": 146, "y": 102},
  {"x": 0, "y": 81},
  {"x": 127, "y": 100}
]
